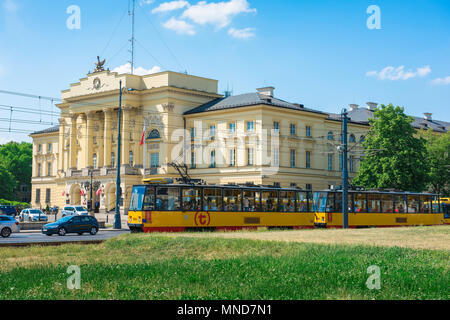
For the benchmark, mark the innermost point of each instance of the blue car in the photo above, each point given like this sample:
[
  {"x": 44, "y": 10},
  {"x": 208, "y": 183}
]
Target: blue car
[{"x": 72, "y": 224}]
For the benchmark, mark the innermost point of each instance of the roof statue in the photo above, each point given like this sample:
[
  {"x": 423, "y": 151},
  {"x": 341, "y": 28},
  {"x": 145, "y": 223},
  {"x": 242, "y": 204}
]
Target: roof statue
[{"x": 99, "y": 65}]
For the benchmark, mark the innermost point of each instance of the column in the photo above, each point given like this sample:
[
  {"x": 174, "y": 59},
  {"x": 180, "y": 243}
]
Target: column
[
  {"x": 125, "y": 157},
  {"x": 62, "y": 129},
  {"x": 107, "y": 138},
  {"x": 73, "y": 141},
  {"x": 89, "y": 139}
]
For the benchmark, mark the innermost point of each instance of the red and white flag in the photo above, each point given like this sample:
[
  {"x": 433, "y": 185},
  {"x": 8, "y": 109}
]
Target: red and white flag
[{"x": 143, "y": 137}]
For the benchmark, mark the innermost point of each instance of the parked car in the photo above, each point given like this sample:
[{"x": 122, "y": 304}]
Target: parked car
[
  {"x": 74, "y": 211},
  {"x": 8, "y": 225},
  {"x": 33, "y": 215},
  {"x": 72, "y": 224},
  {"x": 8, "y": 210}
]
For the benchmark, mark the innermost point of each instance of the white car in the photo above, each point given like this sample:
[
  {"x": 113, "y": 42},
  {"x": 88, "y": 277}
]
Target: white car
[
  {"x": 33, "y": 215},
  {"x": 74, "y": 211},
  {"x": 8, "y": 225}
]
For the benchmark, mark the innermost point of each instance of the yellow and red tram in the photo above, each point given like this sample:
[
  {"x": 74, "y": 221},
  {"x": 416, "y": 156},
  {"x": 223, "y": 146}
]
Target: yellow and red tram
[{"x": 162, "y": 206}]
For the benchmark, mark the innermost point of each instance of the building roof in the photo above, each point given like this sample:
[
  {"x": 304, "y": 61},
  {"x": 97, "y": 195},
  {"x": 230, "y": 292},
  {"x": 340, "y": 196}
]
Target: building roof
[
  {"x": 48, "y": 130},
  {"x": 245, "y": 100},
  {"x": 363, "y": 115}
]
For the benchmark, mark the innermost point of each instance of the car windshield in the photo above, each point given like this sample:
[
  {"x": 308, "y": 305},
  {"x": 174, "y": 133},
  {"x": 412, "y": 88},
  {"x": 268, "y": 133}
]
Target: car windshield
[
  {"x": 36, "y": 212},
  {"x": 65, "y": 219},
  {"x": 80, "y": 209}
]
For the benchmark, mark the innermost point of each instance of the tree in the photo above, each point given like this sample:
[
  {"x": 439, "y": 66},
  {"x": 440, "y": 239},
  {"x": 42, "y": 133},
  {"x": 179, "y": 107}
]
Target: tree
[
  {"x": 7, "y": 184},
  {"x": 394, "y": 157},
  {"x": 438, "y": 159},
  {"x": 17, "y": 159}
]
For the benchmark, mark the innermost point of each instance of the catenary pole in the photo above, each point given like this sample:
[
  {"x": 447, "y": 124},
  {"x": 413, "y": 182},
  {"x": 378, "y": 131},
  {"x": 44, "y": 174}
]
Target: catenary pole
[
  {"x": 344, "y": 170},
  {"x": 117, "y": 218}
]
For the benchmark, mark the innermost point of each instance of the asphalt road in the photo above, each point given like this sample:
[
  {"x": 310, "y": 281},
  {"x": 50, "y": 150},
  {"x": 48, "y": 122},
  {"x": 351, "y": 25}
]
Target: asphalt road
[{"x": 29, "y": 238}]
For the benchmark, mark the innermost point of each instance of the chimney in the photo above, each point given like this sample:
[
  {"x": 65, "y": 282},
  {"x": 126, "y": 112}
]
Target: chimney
[
  {"x": 428, "y": 116},
  {"x": 372, "y": 106},
  {"x": 353, "y": 107},
  {"x": 267, "y": 91}
]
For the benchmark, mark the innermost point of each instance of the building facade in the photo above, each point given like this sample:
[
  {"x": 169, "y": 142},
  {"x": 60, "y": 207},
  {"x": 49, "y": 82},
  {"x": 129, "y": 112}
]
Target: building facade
[{"x": 172, "y": 119}]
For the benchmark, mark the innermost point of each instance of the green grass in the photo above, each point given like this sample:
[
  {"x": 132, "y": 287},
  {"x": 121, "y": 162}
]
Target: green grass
[{"x": 161, "y": 267}]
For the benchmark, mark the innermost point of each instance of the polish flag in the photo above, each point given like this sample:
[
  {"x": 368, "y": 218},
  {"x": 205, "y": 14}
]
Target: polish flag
[
  {"x": 143, "y": 137},
  {"x": 99, "y": 191}
]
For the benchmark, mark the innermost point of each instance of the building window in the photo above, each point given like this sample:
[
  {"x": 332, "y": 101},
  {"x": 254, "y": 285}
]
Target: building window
[
  {"x": 308, "y": 131},
  {"x": 351, "y": 163},
  {"x": 94, "y": 161},
  {"x": 193, "y": 133},
  {"x": 293, "y": 130},
  {"x": 276, "y": 126},
  {"x": 38, "y": 196},
  {"x": 212, "y": 159},
  {"x": 49, "y": 169},
  {"x": 250, "y": 157},
  {"x": 47, "y": 195},
  {"x": 232, "y": 127},
  {"x": 330, "y": 136},
  {"x": 94, "y": 139},
  {"x": 276, "y": 157},
  {"x": 352, "y": 138},
  {"x": 293, "y": 158},
  {"x": 250, "y": 126},
  {"x": 330, "y": 162},
  {"x": 232, "y": 157},
  {"x": 131, "y": 158},
  {"x": 112, "y": 139},
  {"x": 212, "y": 131},
  {"x": 113, "y": 159},
  {"x": 49, "y": 148},
  {"x": 131, "y": 137},
  {"x": 308, "y": 159},
  {"x": 309, "y": 186},
  {"x": 40, "y": 148},
  {"x": 154, "y": 158},
  {"x": 39, "y": 171},
  {"x": 193, "y": 160}
]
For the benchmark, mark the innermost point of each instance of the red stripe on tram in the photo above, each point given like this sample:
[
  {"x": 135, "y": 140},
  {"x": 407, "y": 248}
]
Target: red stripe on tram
[{"x": 162, "y": 229}]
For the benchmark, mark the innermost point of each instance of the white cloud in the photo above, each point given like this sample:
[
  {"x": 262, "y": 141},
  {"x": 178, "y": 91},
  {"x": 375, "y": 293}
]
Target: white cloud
[
  {"x": 170, "y": 6},
  {"x": 443, "y": 81},
  {"x": 180, "y": 26},
  {"x": 10, "y": 6},
  {"x": 241, "y": 33},
  {"x": 145, "y": 2},
  {"x": 218, "y": 14},
  {"x": 126, "y": 68},
  {"x": 399, "y": 73}
]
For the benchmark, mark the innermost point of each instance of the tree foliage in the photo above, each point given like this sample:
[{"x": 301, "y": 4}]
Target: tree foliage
[
  {"x": 394, "y": 157},
  {"x": 16, "y": 158},
  {"x": 7, "y": 184},
  {"x": 438, "y": 159}
]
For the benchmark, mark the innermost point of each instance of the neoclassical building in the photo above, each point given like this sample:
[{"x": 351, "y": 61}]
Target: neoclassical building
[{"x": 248, "y": 138}]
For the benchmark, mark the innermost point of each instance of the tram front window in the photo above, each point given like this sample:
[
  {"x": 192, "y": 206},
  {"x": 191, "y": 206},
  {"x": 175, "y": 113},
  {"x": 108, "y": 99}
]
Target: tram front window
[
  {"x": 320, "y": 202},
  {"x": 137, "y": 199}
]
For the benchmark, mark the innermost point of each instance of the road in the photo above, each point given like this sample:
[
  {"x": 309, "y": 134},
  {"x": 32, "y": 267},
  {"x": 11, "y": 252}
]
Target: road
[{"x": 29, "y": 238}]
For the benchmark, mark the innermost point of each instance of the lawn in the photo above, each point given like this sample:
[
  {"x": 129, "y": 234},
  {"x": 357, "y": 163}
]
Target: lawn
[{"x": 167, "y": 267}]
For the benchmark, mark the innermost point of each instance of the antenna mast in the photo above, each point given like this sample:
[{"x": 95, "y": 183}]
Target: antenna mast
[{"x": 132, "y": 14}]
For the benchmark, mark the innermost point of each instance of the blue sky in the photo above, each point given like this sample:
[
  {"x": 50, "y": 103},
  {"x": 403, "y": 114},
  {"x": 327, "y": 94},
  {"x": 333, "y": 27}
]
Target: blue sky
[{"x": 315, "y": 52}]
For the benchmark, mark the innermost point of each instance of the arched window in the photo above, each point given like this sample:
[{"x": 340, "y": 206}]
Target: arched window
[
  {"x": 154, "y": 134},
  {"x": 131, "y": 158},
  {"x": 352, "y": 138},
  {"x": 330, "y": 135},
  {"x": 94, "y": 161}
]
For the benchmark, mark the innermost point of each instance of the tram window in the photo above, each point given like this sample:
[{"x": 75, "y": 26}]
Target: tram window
[
  {"x": 399, "y": 204},
  {"x": 388, "y": 203},
  {"x": 425, "y": 202},
  {"x": 251, "y": 201},
  {"x": 269, "y": 201},
  {"x": 167, "y": 199},
  {"x": 320, "y": 201},
  {"x": 212, "y": 199},
  {"x": 436, "y": 207},
  {"x": 302, "y": 202},
  {"x": 192, "y": 199},
  {"x": 137, "y": 198},
  {"x": 360, "y": 202},
  {"x": 338, "y": 202},
  {"x": 149, "y": 199},
  {"x": 232, "y": 200},
  {"x": 330, "y": 202},
  {"x": 413, "y": 204},
  {"x": 287, "y": 201},
  {"x": 374, "y": 204}
]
